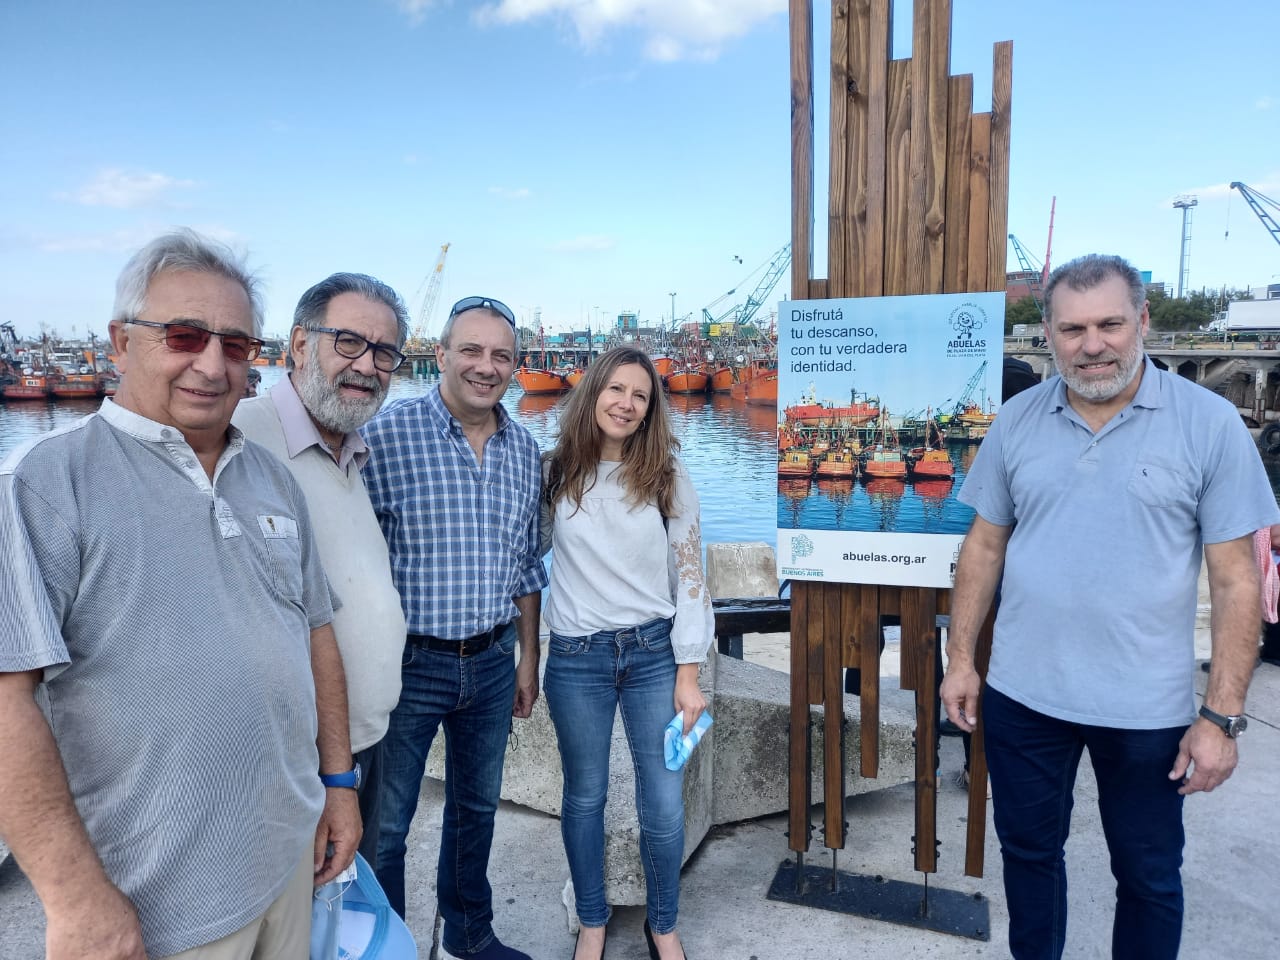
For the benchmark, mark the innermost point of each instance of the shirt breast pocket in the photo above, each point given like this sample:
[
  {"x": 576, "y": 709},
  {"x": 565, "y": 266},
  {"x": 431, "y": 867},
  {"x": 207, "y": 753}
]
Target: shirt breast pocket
[
  {"x": 284, "y": 547},
  {"x": 1162, "y": 486}
]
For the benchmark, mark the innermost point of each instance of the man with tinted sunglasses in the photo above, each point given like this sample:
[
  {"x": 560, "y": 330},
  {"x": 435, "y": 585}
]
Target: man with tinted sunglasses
[
  {"x": 164, "y": 639},
  {"x": 345, "y": 344},
  {"x": 454, "y": 483}
]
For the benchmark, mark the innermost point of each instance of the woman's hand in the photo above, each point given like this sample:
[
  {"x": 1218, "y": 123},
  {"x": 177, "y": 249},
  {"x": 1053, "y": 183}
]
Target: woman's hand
[{"x": 689, "y": 696}]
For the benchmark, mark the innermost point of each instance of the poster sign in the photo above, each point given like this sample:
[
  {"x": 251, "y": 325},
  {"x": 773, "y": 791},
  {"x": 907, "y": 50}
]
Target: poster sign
[{"x": 882, "y": 403}]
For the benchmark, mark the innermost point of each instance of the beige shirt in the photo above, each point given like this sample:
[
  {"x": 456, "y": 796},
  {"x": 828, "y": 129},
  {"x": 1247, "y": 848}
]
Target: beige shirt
[{"x": 370, "y": 626}]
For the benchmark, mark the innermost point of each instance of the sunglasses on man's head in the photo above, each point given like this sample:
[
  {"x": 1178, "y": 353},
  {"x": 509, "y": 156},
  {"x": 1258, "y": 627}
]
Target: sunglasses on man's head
[
  {"x": 486, "y": 303},
  {"x": 183, "y": 337}
]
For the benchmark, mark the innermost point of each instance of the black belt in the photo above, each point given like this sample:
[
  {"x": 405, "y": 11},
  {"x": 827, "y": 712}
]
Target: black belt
[{"x": 459, "y": 648}]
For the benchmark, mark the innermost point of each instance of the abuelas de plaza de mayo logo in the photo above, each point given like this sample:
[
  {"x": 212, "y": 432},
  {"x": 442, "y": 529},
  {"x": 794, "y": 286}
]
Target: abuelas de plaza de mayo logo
[{"x": 966, "y": 320}]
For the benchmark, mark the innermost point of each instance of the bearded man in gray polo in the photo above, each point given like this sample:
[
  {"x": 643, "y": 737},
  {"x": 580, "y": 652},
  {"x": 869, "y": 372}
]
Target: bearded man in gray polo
[
  {"x": 345, "y": 344},
  {"x": 164, "y": 641}
]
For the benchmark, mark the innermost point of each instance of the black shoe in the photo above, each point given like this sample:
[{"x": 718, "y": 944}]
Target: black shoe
[
  {"x": 648, "y": 939},
  {"x": 653, "y": 947}
]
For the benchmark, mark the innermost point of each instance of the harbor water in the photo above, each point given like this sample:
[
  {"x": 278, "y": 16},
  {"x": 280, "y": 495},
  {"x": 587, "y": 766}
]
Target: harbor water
[
  {"x": 731, "y": 453},
  {"x": 730, "y": 449}
]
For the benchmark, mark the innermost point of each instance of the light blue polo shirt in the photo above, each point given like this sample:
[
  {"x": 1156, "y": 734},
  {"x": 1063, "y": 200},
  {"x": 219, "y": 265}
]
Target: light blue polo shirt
[{"x": 1098, "y": 601}]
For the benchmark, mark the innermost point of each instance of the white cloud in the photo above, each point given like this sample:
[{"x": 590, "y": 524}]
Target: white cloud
[
  {"x": 123, "y": 189},
  {"x": 674, "y": 29},
  {"x": 586, "y": 243},
  {"x": 415, "y": 10},
  {"x": 511, "y": 193},
  {"x": 1264, "y": 103}
]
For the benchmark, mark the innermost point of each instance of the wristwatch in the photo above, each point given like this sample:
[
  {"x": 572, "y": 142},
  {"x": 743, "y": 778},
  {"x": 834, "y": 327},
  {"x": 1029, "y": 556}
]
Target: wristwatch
[
  {"x": 1231, "y": 726},
  {"x": 350, "y": 779}
]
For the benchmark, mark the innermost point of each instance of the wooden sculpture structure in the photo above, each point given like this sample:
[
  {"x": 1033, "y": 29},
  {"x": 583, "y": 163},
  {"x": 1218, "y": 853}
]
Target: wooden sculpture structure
[{"x": 918, "y": 200}]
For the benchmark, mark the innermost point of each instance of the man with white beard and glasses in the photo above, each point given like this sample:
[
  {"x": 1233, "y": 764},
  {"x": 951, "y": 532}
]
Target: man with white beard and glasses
[
  {"x": 1097, "y": 493},
  {"x": 345, "y": 343}
]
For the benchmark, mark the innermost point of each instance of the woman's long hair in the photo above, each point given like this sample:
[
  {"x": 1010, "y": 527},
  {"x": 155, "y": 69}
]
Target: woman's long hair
[{"x": 648, "y": 470}]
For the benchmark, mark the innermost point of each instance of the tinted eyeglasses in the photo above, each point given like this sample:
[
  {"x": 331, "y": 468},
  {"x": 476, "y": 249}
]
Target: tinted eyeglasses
[
  {"x": 487, "y": 303},
  {"x": 353, "y": 346},
  {"x": 183, "y": 337}
]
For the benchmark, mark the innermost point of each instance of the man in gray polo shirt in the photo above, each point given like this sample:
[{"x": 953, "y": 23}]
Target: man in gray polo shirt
[
  {"x": 1097, "y": 493},
  {"x": 164, "y": 640}
]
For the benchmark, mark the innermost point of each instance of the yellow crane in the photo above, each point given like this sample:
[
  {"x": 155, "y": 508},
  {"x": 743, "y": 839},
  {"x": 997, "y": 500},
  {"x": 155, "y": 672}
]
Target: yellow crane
[{"x": 419, "y": 338}]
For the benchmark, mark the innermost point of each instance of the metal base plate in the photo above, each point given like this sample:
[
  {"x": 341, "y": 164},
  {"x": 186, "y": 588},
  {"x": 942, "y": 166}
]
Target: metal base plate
[{"x": 949, "y": 911}]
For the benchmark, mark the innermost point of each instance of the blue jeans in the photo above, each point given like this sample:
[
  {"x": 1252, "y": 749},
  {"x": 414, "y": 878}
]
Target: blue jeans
[
  {"x": 472, "y": 697},
  {"x": 1033, "y": 760},
  {"x": 587, "y": 679}
]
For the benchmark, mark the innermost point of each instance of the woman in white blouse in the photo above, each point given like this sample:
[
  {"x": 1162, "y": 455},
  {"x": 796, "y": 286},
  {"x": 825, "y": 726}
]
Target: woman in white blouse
[{"x": 630, "y": 622}]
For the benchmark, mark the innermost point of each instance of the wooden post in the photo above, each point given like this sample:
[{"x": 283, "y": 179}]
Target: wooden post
[{"x": 918, "y": 200}]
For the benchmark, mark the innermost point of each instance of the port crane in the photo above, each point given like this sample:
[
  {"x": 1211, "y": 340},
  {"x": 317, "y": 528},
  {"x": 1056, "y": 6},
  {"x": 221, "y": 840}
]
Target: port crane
[
  {"x": 1256, "y": 200},
  {"x": 418, "y": 338},
  {"x": 1033, "y": 271},
  {"x": 967, "y": 397},
  {"x": 743, "y": 312}
]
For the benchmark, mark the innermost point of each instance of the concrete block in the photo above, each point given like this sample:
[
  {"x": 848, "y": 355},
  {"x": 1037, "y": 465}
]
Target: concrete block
[
  {"x": 752, "y": 711},
  {"x": 741, "y": 570}
]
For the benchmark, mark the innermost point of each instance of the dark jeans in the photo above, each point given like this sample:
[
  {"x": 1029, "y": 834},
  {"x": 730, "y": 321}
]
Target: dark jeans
[
  {"x": 472, "y": 697},
  {"x": 1033, "y": 760},
  {"x": 370, "y": 798}
]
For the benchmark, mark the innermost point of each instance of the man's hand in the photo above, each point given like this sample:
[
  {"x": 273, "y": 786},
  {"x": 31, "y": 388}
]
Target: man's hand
[
  {"x": 340, "y": 827},
  {"x": 526, "y": 687},
  {"x": 959, "y": 692},
  {"x": 1206, "y": 758},
  {"x": 101, "y": 926}
]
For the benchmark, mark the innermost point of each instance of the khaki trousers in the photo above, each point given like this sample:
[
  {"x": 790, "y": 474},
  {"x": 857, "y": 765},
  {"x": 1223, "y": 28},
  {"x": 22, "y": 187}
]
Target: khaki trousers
[{"x": 282, "y": 933}]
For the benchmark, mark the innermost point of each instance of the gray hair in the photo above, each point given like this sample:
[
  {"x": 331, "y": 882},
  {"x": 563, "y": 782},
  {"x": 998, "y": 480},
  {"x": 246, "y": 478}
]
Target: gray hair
[
  {"x": 183, "y": 249},
  {"x": 314, "y": 304},
  {"x": 1087, "y": 272}
]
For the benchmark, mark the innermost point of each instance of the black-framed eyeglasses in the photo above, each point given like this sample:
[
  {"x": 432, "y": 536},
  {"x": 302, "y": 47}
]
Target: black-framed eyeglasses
[
  {"x": 353, "y": 346},
  {"x": 183, "y": 337},
  {"x": 486, "y": 303}
]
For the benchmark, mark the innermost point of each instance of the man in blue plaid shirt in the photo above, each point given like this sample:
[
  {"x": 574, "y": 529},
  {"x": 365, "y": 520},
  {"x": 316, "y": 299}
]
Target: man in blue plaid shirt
[{"x": 455, "y": 485}]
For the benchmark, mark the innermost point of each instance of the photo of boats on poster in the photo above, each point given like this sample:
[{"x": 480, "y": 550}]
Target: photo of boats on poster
[{"x": 882, "y": 405}]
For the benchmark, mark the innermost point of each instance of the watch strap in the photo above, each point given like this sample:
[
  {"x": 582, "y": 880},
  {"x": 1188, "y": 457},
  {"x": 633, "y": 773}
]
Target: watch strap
[
  {"x": 349, "y": 779},
  {"x": 1231, "y": 726}
]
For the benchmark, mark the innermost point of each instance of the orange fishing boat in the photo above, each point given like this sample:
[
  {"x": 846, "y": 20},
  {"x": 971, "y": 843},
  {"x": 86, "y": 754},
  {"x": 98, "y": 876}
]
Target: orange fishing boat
[
  {"x": 29, "y": 385},
  {"x": 838, "y": 465},
  {"x": 931, "y": 460},
  {"x": 687, "y": 379},
  {"x": 884, "y": 458},
  {"x": 663, "y": 364},
  {"x": 77, "y": 386},
  {"x": 795, "y": 463},
  {"x": 535, "y": 380},
  {"x": 573, "y": 377},
  {"x": 763, "y": 390}
]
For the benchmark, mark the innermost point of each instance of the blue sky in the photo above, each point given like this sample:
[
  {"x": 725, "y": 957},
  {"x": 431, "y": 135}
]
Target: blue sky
[{"x": 581, "y": 156}]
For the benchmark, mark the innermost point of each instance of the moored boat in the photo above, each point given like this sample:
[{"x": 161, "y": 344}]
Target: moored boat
[
  {"x": 77, "y": 386},
  {"x": 838, "y": 464},
  {"x": 28, "y": 386},
  {"x": 536, "y": 380},
  {"x": 685, "y": 379},
  {"x": 763, "y": 390},
  {"x": 795, "y": 463}
]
